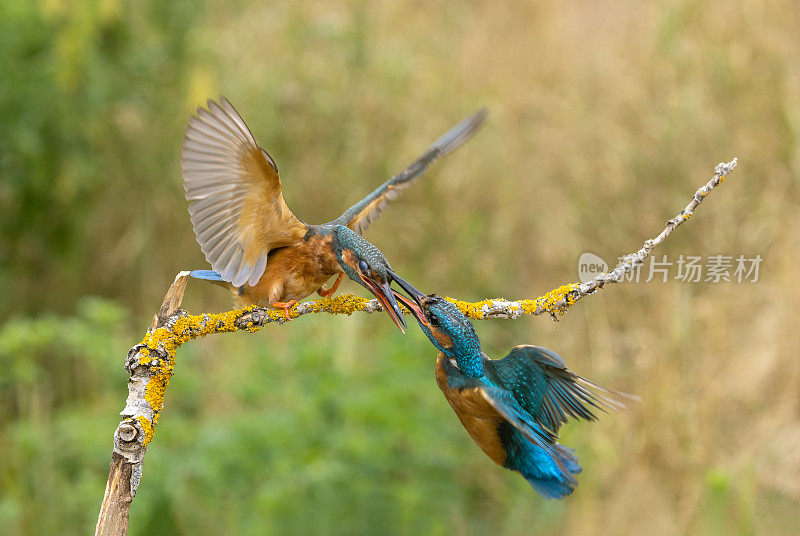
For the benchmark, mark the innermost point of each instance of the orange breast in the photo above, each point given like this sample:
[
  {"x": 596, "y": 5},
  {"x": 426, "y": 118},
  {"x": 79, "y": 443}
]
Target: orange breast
[
  {"x": 293, "y": 272},
  {"x": 479, "y": 418}
]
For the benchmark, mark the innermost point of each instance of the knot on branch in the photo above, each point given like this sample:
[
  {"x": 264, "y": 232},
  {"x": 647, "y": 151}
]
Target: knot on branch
[
  {"x": 143, "y": 357},
  {"x": 129, "y": 440},
  {"x": 255, "y": 318},
  {"x": 132, "y": 360}
]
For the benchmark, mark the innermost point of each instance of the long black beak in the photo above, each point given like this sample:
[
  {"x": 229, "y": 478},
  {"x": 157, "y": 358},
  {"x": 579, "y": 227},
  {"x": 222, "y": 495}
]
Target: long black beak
[
  {"x": 415, "y": 304},
  {"x": 385, "y": 295}
]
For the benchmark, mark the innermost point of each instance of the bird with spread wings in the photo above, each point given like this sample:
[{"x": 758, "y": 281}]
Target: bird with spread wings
[{"x": 256, "y": 246}]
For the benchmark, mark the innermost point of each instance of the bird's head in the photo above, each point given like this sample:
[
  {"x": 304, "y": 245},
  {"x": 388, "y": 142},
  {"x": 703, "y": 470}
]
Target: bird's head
[
  {"x": 446, "y": 327},
  {"x": 365, "y": 264}
]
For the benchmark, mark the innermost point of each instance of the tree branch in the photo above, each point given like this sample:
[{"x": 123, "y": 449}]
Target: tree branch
[
  {"x": 151, "y": 362},
  {"x": 557, "y": 301}
]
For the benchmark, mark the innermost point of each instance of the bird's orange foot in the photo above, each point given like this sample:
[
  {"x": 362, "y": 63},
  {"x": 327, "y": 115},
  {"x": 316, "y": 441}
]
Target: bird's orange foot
[
  {"x": 285, "y": 306},
  {"x": 328, "y": 292}
]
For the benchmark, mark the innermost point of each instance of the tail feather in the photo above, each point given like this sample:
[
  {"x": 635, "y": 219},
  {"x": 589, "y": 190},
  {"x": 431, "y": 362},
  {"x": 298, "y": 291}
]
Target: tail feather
[
  {"x": 212, "y": 277},
  {"x": 208, "y": 275},
  {"x": 551, "y": 488},
  {"x": 553, "y": 478},
  {"x": 568, "y": 459},
  {"x": 556, "y": 485}
]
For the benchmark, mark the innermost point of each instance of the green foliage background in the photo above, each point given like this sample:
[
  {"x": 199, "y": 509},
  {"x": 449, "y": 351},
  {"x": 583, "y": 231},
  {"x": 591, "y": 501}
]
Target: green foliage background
[{"x": 605, "y": 118}]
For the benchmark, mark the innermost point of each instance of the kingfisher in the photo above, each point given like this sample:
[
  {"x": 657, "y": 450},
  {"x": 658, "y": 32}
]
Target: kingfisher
[
  {"x": 511, "y": 407},
  {"x": 256, "y": 246}
]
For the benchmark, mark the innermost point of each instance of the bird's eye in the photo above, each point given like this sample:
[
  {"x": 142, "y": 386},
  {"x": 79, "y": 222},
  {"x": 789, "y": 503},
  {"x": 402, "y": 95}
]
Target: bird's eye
[
  {"x": 433, "y": 319},
  {"x": 363, "y": 266}
]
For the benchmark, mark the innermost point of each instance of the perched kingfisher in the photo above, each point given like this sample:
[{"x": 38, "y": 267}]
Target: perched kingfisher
[
  {"x": 256, "y": 246},
  {"x": 511, "y": 407}
]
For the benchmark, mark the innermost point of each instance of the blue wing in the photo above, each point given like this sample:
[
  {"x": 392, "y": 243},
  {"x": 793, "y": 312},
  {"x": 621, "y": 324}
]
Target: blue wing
[
  {"x": 550, "y": 391},
  {"x": 359, "y": 216},
  {"x": 506, "y": 404}
]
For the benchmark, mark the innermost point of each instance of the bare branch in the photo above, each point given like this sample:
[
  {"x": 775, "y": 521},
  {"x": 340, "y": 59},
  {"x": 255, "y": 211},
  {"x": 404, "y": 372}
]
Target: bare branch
[
  {"x": 151, "y": 362},
  {"x": 557, "y": 301},
  {"x": 140, "y": 414}
]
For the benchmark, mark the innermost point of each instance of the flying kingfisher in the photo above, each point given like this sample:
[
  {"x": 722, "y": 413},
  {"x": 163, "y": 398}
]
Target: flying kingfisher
[
  {"x": 256, "y": 246},
  {"x": 511, "y": 407}
]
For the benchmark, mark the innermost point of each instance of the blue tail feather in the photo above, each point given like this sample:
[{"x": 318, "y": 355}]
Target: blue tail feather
[
  {"x": 550, "y": 478},
  {"x": 545, "y": 476},
  {"x": 551, "y": 489},
  {"x": 569, "y": 459},
  {"x": 208, "y": 275}
]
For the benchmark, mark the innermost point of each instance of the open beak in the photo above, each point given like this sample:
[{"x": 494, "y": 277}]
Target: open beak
[
  {"x": 385, "y": 295},
  {"x": 415, "y": 303}
]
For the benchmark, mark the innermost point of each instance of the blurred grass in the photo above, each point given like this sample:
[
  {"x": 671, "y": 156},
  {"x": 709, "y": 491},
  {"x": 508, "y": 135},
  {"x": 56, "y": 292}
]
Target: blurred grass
[{"x": 605, "y": 118}]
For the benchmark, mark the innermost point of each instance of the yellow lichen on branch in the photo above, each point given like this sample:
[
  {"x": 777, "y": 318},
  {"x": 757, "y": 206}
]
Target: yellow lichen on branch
[
  {"x": 147, "y": 426},
  {"x": 159, "y": 346},
  {"x": 555, "y": 302}
]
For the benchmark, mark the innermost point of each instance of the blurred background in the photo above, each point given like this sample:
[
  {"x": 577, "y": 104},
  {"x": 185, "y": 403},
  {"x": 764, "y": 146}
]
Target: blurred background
[{"x": 604, "y": 120}]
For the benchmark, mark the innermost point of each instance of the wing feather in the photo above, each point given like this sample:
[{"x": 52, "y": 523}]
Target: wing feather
[
  {"x": 359, "y": 216},
  {"x": 521, "y": 419},
  {"x": 234, "y": 192},
  {"x": 564, "y": 394}
]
